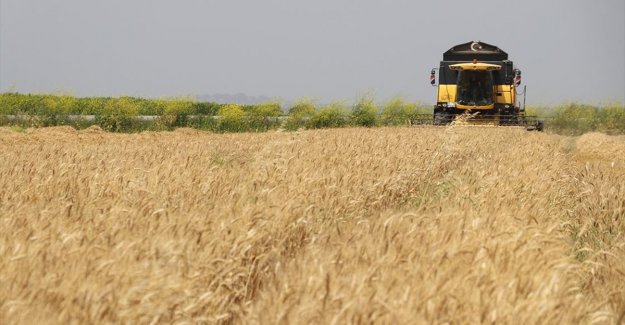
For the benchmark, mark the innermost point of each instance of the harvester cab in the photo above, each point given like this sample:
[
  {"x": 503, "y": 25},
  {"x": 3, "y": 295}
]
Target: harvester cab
[{"x": 477, "y": 84}]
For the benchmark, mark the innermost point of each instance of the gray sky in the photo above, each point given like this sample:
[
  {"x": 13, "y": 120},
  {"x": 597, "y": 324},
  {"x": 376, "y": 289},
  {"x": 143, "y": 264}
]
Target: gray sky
[{"x": 569, "y": 50}]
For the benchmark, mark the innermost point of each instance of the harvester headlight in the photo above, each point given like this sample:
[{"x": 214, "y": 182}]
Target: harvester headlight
[
  {"x": 444, "y": 104},
  {"x": 507, "y": 106}
]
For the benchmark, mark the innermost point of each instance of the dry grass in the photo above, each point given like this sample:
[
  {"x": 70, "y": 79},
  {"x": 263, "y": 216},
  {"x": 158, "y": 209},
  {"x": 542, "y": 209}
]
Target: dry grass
[{"x": 389, "y": 225}]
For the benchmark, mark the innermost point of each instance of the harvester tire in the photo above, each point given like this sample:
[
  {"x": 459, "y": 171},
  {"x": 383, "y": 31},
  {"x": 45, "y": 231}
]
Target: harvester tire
[
  {"x": 540, "y": 126},
  {"x": 440, "y": 118}
]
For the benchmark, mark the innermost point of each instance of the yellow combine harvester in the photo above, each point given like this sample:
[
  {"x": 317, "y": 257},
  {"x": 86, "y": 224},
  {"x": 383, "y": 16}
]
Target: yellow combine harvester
[{"x": 477, "y": 84}]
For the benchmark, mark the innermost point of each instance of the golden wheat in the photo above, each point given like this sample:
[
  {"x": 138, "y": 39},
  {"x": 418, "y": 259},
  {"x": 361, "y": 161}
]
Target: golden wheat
[{"x": 389, "y": 225}]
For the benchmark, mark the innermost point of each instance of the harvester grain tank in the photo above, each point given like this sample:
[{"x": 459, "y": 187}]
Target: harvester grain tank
[{"x": 478, "y": 84}]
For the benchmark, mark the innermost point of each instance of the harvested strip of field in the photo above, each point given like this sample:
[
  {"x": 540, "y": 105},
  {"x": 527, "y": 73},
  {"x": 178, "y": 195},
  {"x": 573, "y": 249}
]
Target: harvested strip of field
[{"x": 388, "y": 225}]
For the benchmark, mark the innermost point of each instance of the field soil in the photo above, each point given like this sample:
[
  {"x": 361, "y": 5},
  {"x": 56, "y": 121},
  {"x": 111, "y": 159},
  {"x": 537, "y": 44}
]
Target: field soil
[{"x": 387, "y": 225}]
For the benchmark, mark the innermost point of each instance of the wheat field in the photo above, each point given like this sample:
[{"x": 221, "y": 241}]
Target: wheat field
[{"x": 424, "y": 225}]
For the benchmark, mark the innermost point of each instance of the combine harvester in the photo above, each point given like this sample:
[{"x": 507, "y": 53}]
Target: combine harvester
[{"x": 477, "y": 85}]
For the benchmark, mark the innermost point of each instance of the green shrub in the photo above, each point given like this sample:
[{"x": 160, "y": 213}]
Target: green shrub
[
  {"x": 422, "y": 108},
  {"x": 396, "y": 112},
  {"x": 117, "y": 114},
  {"x": 210, "y": 109},
  {"x": 263, "y": 116},
  {"x": 299, "y": 113},
  {"x": 49, "y": 110},
  {"x": 175, "y": 113},
  {"x": 91, "y": 106},
  {"x": 574, "y": 119},
  {"x": 10, "y": 103},
  {"x": 365, "y": 112},
  {"x": 31, "y": 105},
  {"x": 232, "y": 118},
  {"x": 330, "y": 116},
  {"x": 540, "y": 111},
  {"x": 203, "y": 122},
  {"x": 178, "y": 107},
  {"x": 60, "y": 105},
  {"x": 410, "y": 112},
  {"x": 612, "y": 118}
]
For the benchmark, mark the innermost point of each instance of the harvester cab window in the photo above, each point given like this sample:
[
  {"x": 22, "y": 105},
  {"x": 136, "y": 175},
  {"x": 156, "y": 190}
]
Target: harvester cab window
[{"x": 475, "y": 87}]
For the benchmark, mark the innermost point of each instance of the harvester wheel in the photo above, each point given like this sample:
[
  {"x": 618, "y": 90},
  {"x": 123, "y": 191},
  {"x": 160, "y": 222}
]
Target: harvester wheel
[
  {"x": 440, "y": 118},
  {"x": 540, "y": 126}
]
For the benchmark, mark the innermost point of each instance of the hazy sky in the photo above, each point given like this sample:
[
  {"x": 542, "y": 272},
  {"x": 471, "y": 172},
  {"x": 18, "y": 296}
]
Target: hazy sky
[{"x": 325, "y": 49}]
